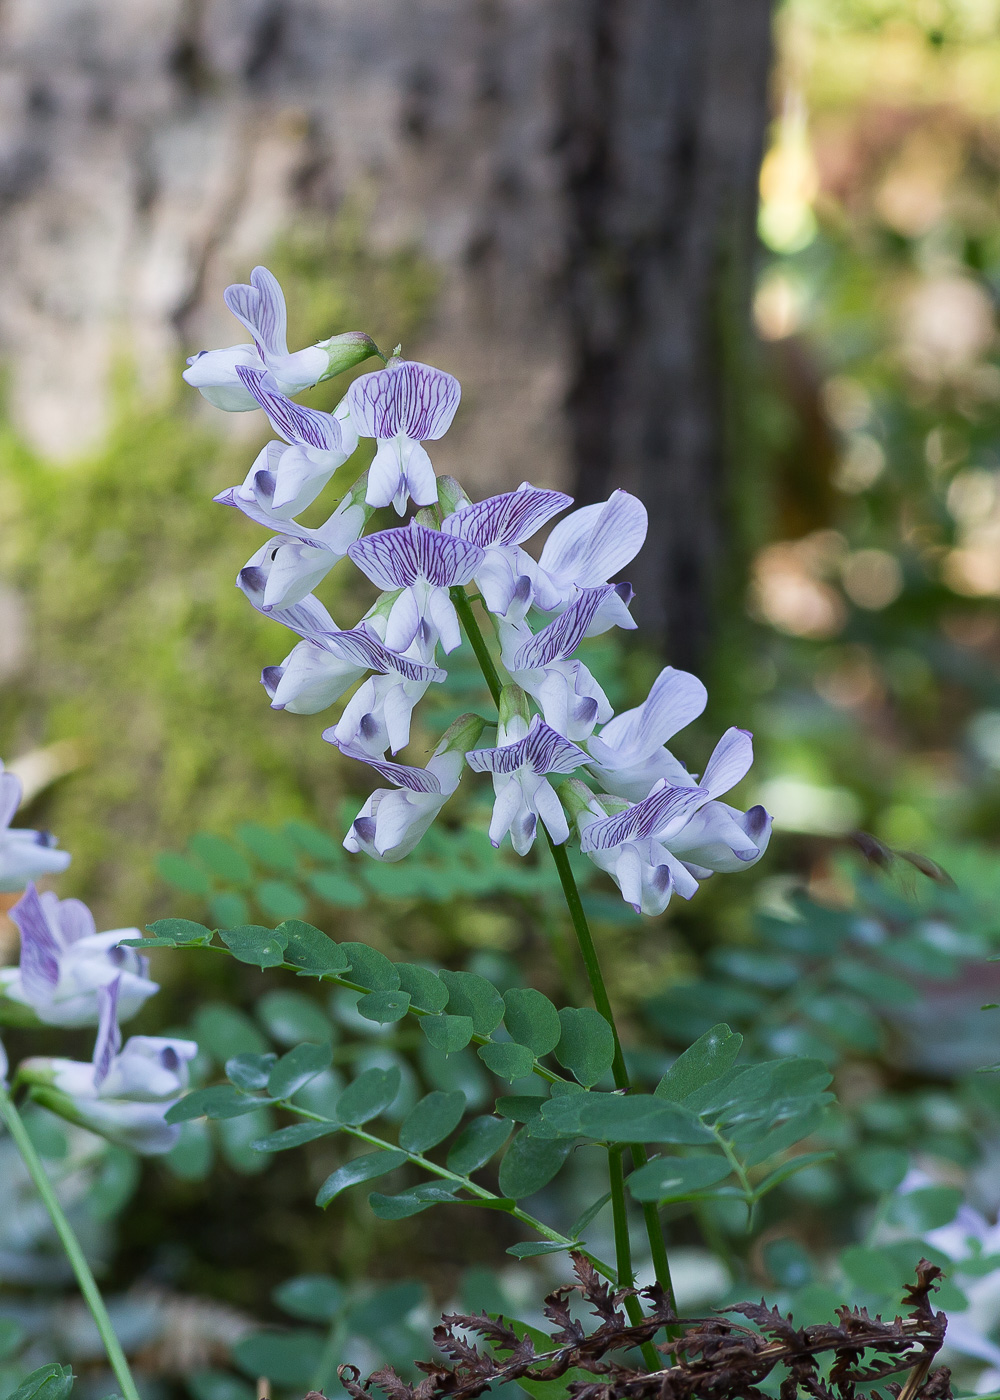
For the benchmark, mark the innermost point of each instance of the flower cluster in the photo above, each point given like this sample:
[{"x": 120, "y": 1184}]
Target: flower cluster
[
  {"x": 71, "y": 975},
  {"x": 640, "y": 815}
]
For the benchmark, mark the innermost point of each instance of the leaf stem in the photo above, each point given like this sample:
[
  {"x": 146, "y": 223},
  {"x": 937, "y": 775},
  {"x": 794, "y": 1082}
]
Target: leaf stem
[
  {"x": 70, "y": 1243},
  {"x": 623, "y": 1250}
]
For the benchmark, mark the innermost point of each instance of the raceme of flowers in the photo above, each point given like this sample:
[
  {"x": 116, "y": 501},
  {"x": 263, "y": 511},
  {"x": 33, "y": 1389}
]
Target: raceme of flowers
[
  {"x": 71, "y": 975},
  {"x": 562, "y": 757}
]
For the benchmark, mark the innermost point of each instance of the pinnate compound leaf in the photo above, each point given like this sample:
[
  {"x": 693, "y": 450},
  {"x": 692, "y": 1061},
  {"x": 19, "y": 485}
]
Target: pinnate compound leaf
[
  {"x": 471, "y": 995},
  {"x": 311, "y": 950},
  {"x": 370, "y": 968},
  {"x": 532, "y": 1019},
  {"x": 295, "y": 1069},
  {"x": 411, "y": 1202},
  {"x": 506, "y": 1059},
  {"x": 708, "y": 1058},
  {"x": 384, "y": 1007},
  {"x": 677, "y": 1178},
  {"x": 425, "y": 987},
  {"x": 431, "y": 1120},
  {"x": 530, "y": 1163},
  {"x": 175, "y": 933},
  {"x": 370, "y": 1094},
  {"x": 249, "y": 1072},
  {"x": 631, "y": 1118},
  {"x": 295, "y": 1135},
  {"x": 447, "y": 1033},
  {"x": 477, "y": 1143},
  {"x": 218, "y": 1101},
  {"x": 587, "y": 1044},
  {"x": 251, "y": 943},
  {"x": 49, "y": 1382},
  {"x": 357, "y": 1170}
]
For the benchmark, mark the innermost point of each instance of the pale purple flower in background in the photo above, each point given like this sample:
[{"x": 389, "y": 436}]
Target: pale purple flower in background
[
  {"x": 499, "y": 525},
  {"x": 122, "y": 1094},
  {"x": 65, "y": 962},
  {"x": 318, "y": 443},
  {"x": 541, "y": 663},
  {"x": 24, "y": 854},
  {"x": 392, "y": 821},
  {"x": 401, "y": 407},
  {"x": 525, "y": 754},
  {"x": 423, "y": 564},
  {"x": 377, "y": 716},
  {"x": 260, "y": 307},
  {"x": 629, "y": 756},
  {"x": 642, "y": 847},
  {"x": 588, "y": 548}
]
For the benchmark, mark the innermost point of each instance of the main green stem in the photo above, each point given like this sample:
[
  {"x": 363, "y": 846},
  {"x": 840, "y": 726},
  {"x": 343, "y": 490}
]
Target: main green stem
[
  {"x": 598, "y": 990},
  {"x": 70, "y": 1243}
]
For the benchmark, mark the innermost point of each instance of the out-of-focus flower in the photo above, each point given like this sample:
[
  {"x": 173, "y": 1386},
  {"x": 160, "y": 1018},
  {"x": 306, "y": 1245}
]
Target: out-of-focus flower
[
  {"x": 526, "y": 752},
  {"x": 24, "y": 855},
  {"x": 401, "y": 407},
  {"x": 123, "y": 1094},
  {"x": 391, "y": 823},
  {"x": 65, "y": 963},
  {"x": 260, "y": 306}
]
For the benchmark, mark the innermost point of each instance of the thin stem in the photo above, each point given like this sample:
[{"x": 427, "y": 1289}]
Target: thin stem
[
  {"x": 474, "y": 633},
  {"x": 70, "y": 1243},
  {"x": 623, "y": 1250}
]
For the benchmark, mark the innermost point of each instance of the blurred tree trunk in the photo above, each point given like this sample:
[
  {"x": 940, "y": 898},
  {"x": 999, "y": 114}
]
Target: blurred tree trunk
[{"x": 664, "y": 109}]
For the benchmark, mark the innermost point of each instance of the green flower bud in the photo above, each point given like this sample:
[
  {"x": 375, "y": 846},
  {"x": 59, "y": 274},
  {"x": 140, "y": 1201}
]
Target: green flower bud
[{"x": 345, "y": 351}]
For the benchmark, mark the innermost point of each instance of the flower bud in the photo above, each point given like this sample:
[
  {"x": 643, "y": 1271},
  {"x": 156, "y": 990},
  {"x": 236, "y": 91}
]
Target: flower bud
[{"x": 345, "y": 351}]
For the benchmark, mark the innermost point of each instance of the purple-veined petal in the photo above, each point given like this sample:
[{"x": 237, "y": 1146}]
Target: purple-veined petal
[
  {"x": 10, "y": 797},
  {"x": 398, "y": 558},
  {"x": 305, "y": 427},
  {"x": 401, "y": 775},
  {"x": 409, "y": 398},
  {"x": 510, "y": 518},
  {"x": 731, "y": 760},
  {"x": 593, "y": 543},
  {"x": 541, "y": 750},
  {"x": 40, "y": 950},
  {"x": 365, "y": 649},
  {"x": 261, "y": 309},
  {"x": 109, "y": 1037},
  {"x": 659, "y": 811},
  {"x": 561, "y": 637},
  {"x": 674, "y": 700}
]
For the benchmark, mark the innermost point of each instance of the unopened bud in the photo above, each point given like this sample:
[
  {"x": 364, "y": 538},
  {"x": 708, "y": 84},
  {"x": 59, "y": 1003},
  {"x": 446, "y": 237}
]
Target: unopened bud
[
  {"x": 515, "y": 712},
  {"x": 451, "y": 497},
  {"x": 345, "y": 351},
  {"x": 462, "y": 734}
]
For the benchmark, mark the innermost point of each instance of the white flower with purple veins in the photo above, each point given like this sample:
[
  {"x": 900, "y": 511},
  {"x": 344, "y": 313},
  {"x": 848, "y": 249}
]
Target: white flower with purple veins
[
  {"x": 377, "y": 716},
  {"x": 541, "y": 663},
  {"x": 260, "y": 306},
  {"x": 24, "y": 854},
  {"x": 641, "y": 847},
  {"x": 499, "y": 526},
  {"x": 524, "y": 755},
  {"x": 65, "y": 962},
  {"x": 401, "y": 407},
  {"x": 392, "y": 821},
  {"x": 628, "y": 756},
  {"x": 291, "y": 477},
  {"x": 123, "y": 1094},
  {"x": 588, "y": 548},
  {"x": 422, "y": 564}
]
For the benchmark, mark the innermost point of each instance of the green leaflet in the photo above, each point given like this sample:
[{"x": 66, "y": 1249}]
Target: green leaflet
[
  {"x": 50, "y": 1382},
  {"x": 286, "y": 1358},
  {"x": 370, "y": 968},
  {"x": 531, "y": 1249},
  {"x": 365, "y": 1168},
  {"x": 678, "y": 1178},
  {"x": 251, "y": 943},
  {"x": 311, "y": 950},
  {"x": 384, "y": 1007},
  {"x": 425, "y": 988},
  {"x": 218, "y": 1101},
  {"x": 532, "y": 1020},
  {"x": 529, "y": 1164},
  {"x": 296, "y": 1068},
  {"x": 411, "y": 1202},
  {"x": 471, "y": 995},
  {"x": 447, "y": 1033},
  {"x": 587, "y": 1044},
  {"x": 174, "y": 933},
  {"x": 507, "y": 1060},
  {"x": 295, "y": 1135},
  {"x": 289, "y": 1017},
  {"x": 709, "y": 1057},
  {"x": 614, "y": 1118},
  {"x": 477, "y": 1143},
  {"x": 368, "y": 1096},
  {"x": 249, "y": 1072},
  {"x": 431, "y": 1120}
]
